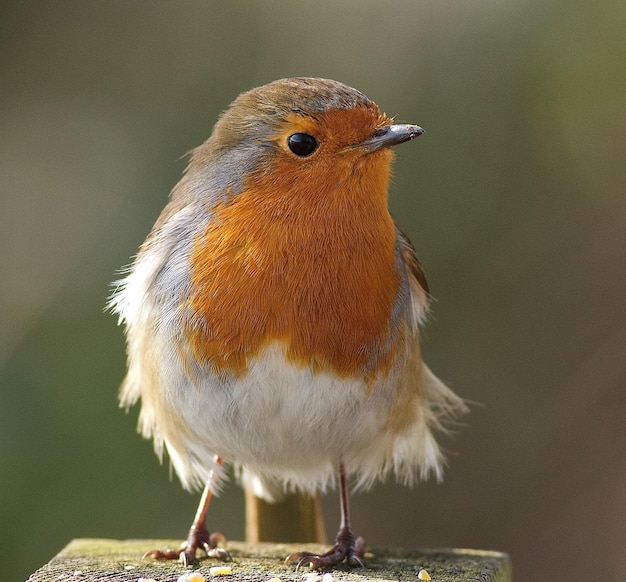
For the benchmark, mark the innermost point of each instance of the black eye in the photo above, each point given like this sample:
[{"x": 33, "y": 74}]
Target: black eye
[{"x": 302, "y": 144}]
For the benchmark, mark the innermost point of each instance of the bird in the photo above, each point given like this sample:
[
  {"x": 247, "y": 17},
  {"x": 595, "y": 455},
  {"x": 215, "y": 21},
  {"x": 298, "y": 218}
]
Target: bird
[{"x": 273, "y": 313}]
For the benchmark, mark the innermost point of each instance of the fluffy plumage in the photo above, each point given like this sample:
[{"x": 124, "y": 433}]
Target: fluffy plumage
[{"x": 272, "y": 313}]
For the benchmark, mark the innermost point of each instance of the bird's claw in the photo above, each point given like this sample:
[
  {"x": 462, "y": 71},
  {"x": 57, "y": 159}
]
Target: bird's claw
[
  {"x": 161, "y": 554},
  {"x": 219, "y": 554},
  {"x": 344, "y": 549},
  {"x": 187, "y": 553}
]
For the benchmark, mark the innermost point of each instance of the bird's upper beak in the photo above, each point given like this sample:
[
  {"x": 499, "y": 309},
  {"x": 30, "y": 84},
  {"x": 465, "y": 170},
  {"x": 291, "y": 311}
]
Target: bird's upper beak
[{"x": 388, "y": 135}]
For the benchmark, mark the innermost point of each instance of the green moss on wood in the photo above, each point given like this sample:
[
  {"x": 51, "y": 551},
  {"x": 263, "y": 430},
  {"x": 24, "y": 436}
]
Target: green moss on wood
[{"x": 120, "y": 561}]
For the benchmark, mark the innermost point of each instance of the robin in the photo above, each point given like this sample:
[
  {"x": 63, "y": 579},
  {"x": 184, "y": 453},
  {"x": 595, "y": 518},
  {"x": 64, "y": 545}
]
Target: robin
[{"x": 272, "y": 313}]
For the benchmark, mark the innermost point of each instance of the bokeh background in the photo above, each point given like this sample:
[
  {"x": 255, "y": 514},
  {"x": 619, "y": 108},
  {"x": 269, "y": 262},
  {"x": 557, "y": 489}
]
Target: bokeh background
[{"x": 514, "y": 199}]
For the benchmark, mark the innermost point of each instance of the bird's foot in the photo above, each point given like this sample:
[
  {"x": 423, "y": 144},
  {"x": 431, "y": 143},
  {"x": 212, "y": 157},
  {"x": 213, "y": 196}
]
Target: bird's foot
[
  {"x": 198, "y": 539},
  {"x": 345, "y": 548}
]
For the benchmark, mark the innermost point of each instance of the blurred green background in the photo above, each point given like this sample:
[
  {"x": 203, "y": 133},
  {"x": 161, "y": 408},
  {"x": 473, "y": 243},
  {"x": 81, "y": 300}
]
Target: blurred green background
[{"x": 514, "y": 199}]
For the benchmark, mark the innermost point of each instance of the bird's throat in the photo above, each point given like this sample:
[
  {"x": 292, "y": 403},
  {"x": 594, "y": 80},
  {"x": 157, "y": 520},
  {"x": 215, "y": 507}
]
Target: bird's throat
[{"x": 316, "y": 274}]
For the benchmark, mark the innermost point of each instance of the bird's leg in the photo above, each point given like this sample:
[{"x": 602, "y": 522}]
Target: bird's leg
[
  {"x": 346, "y": 546},
  {"x": 198, "y": 537}
]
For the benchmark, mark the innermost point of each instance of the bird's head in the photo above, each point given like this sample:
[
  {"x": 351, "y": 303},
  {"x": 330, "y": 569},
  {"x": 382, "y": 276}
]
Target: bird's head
[{"x": 301, "y": 133}]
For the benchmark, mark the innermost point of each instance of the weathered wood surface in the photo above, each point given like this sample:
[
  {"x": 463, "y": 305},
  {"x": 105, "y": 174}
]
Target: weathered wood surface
[{"x": 86, "y": 560}]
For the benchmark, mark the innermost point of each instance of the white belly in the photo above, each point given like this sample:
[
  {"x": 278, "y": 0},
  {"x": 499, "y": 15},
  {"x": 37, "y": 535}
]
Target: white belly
[{"x": 282, "y": 423}]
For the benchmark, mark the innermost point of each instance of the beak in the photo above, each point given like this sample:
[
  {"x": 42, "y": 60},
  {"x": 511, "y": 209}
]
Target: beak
[{"x": 389, "y": 135}]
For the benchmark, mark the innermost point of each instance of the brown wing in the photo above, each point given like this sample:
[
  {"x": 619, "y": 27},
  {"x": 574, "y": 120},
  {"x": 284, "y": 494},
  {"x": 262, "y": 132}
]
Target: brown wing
[{"x": 411, "y": 261}]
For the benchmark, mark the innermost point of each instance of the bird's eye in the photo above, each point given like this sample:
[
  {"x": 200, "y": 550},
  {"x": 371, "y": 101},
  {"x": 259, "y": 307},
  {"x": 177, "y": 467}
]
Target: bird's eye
[{"x": 302, "y": 144}]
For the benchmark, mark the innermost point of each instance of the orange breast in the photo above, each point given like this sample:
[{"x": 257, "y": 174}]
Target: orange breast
[{"x": 306, "y": 262}]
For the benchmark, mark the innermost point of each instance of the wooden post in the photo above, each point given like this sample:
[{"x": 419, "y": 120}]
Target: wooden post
[
  {"x": 296, "y": 518},
  {"x": 120, "y": 561}
]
